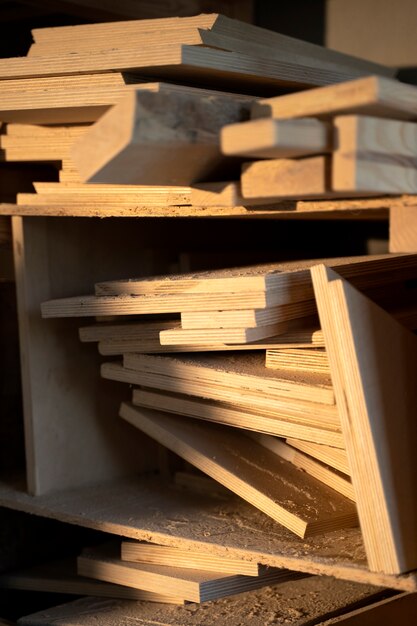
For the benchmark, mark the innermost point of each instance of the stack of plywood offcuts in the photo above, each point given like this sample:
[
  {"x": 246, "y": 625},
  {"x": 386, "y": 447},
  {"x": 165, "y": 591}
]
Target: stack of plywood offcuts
[
  {"x": 290, "y": 405},
  {"x": 73, "y": 75}
]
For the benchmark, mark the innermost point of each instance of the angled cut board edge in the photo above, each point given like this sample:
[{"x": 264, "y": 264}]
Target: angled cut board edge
[
  {"x": 250, "y": 471},
  {"x": 373, "y": 361}
]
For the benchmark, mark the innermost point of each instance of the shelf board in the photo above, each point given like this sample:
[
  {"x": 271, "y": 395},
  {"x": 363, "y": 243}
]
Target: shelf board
[
  {"x": 334, "y": 210},
  {"x": 145, "y": 508}
]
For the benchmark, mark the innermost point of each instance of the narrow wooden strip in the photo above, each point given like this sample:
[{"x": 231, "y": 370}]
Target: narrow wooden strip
[
  {"x": 139, "y": 552},
  {"x": 305, "y": 427},
  {"x": 275, "y": 139},
  {"x": 249, "y": 470}
]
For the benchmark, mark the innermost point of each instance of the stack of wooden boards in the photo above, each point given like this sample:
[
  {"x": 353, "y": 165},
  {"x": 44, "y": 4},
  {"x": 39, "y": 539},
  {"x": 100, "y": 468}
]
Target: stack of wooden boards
[
  {"x": 342, "y": 417},
  {"x": 174, "y": 576},
  {"x": 347, "y": 140}
]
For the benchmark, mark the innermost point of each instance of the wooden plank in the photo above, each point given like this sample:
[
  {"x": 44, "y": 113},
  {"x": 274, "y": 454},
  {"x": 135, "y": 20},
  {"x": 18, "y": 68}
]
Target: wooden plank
[
  {"x": 140, "y": 552},
  {"x": 374, "y": 155},
  {"x": 133, "y": 142},
  {"x": 286, "y": 178},
  {"x": 321, "y": 472},
  {"x": 403, "y": 229},
  {"x": 322, "y": 597},
  {"x": 306, "y": 427},
  {"x": 250, "y": 318},
  {"x": 195, "y": 585},
  {"x": 378, "y": 96},
  {"x": 376, "y": 395},
  {"x": 217, "y": 25},
  {"x": 84, "y": 444},
  {"x": 298, "y": 359},
  {"x": 210, "y": 336},
  {"x": 335, "y": 457},
  {"x": 249, "y": 470},
  {"x": 139, "y": 508},
  {"x": 275, "y": 139},
  {"x": 244, "y": 372},
  {"x": 61, "y": 577},
  {"x": 292, "y": 278}
]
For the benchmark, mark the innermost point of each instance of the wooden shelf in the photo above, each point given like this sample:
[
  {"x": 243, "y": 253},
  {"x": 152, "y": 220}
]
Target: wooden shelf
[{"x": 144, "y": 508}]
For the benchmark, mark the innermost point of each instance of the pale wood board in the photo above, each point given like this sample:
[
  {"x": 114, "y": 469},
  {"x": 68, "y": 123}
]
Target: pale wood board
[
  {"x": 335, "y": 457},
  {"x": 285, "y": 178},
  {"x": 210, "y": 336},
  {"x": 403, "y": 229},
  {"x": 321, "y": 472},
  {"x": 217, "y": 25},
  {"x": 133, "y": 143},
  {"x": 146, "y": 509},
  {"x": 139, "y": 552},
  {"x": 61, "y": 577},
  {"x": 271, "y": 484},
  {"x": 270, "y": 406},
  {"x": 372, "y": 95},
  {"x": 71, "y": 437},
  {"x": 249, "y": 317},
  {"x": 303, "y": 427},
  {"x": 183, "y": 63},
  {"x": 298, "y": 359},
  {"x": 374, "y": 155},
  {"x": 312, "y": 210},
  {"x": 274, "y": 139},
  {"x": 144, "y": 337},
  {"x": 194, "y": 585},
  {"x": 376, "y": 395},
  {"x": 292, "y": 277},
  {"x": 321, "y": 596},
  {"x": 246, "y": 373}
]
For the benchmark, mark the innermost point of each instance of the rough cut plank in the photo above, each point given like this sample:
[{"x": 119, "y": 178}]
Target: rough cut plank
[
  {"x": 61, "y": 577},
  {"x": 194, "y": 585},
  {"x": 374, "y": 155},
  {"x": 372, "y": 95},
  {"x": 227, "y": 194},
  {"x": 285, "y": 178},
  {"x": 275, "y": 139},
  {"x": 139, "y": 552},
  {"x": 134, "y": 142},
  {"x": 271, "y": 484},
  {"x": 324, "y": 474},
  {"x": 298, "y": 359},
  {"x": 303, "y": 427},
  {"x": 334, "y": 457},
  {"x": 246, "y": 373},
  {"x": 376, "y": 394},
  {"x": 149, "y": 510},
  {"x": 298, "y": 602}
]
